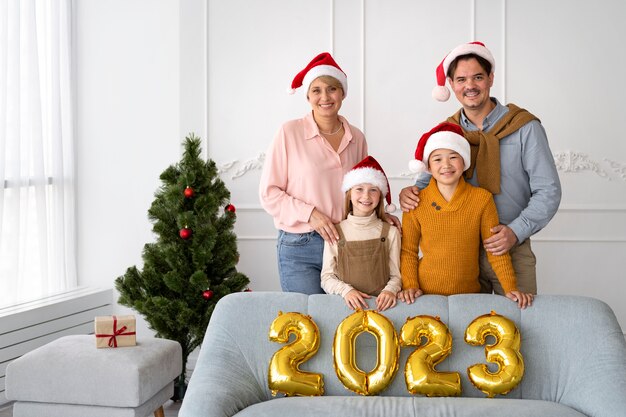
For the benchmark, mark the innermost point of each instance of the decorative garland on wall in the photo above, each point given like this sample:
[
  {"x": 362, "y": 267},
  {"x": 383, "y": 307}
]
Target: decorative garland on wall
[
  {"x": 567, "y": 162},
  {"x": 252, "y": 164}
]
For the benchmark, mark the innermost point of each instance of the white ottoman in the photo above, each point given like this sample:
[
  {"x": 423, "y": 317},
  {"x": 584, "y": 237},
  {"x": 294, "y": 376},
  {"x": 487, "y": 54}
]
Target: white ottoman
[{"x": 70, "y": 377}]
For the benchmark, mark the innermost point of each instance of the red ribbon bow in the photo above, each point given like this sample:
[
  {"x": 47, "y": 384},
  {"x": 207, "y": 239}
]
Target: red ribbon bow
[{"x": 116, "y": 332}]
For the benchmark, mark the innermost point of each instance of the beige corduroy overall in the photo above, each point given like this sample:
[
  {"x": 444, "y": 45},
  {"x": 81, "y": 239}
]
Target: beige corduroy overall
[{"x": 364, "y": 264}]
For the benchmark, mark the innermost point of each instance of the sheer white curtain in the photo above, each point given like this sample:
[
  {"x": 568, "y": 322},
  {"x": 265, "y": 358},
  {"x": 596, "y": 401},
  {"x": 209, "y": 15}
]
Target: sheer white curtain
[{"x": 37, "y": 236}]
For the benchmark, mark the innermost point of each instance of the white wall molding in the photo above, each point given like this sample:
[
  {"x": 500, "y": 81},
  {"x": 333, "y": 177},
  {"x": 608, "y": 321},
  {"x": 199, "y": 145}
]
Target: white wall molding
[
  {"x": 252, "y": 164},
  {"x": 566, "y": 162},
  {"x": 573, "y": 161},
  {"x": 618, "y": 168}
]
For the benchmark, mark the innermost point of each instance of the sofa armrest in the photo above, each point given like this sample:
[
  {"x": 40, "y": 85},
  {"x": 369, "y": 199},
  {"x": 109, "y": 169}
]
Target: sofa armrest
[
  {"x": 222, "y": 384},
  {"x": 597, "y": 378}
]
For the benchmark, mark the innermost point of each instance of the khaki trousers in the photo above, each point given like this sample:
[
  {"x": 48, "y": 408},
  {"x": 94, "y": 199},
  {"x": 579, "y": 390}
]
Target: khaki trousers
[{"x": 524, "y": 264}]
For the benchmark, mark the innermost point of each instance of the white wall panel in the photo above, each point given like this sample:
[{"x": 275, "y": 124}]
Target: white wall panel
[
  {"x": 566, "y": 72},
  {"x": 592, "y": 269}
]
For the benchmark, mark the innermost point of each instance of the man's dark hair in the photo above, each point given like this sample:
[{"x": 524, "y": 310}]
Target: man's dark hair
[{"x": 486, "y": 65}]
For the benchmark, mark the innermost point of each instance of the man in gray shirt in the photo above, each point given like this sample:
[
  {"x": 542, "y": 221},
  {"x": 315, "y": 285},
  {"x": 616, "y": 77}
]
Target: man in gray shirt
[{"x": 510, "y": 157}]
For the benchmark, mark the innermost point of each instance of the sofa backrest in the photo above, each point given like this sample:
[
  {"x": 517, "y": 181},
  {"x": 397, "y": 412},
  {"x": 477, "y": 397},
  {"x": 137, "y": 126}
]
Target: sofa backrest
[{"x": 572, "y": 346}]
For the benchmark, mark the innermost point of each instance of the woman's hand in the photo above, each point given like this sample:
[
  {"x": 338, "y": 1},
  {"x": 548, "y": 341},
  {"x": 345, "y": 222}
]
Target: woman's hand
[
  {"x": 394, "y": 221},
  {"x": 385, "y": 300},
  {"x": 355, "y": 299},
  {"x": 409, "y": 295},
  {"x": 523, "y": 299},
  {"x": 409, "y": 198},
  {"x": 323, "y": 225}
]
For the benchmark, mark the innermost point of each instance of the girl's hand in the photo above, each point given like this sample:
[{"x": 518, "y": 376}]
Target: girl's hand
[
  {"x": 385, "y": 300},
  {"x": 356, "y": 300},
  {"x": 523, "y": 299},
  {"x": 410, "y": 295},
  {"x": 323, "y": 225}
]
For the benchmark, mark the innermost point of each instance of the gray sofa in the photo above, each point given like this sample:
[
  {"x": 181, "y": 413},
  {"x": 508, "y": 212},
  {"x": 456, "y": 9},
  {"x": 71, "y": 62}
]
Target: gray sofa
[{"x": 573, "y": 347}]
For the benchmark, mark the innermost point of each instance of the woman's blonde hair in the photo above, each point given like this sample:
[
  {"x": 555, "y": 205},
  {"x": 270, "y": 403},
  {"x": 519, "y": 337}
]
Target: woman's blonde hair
[{"x": 380, "y": 209}]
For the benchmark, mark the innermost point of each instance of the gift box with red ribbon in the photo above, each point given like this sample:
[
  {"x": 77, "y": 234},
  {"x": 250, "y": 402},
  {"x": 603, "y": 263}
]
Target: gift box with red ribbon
[{"x": 115, "y": 331}]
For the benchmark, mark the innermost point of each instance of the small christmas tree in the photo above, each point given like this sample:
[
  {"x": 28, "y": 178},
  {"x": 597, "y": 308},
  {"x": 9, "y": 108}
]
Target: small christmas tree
[{"x": 192, "y": 263}]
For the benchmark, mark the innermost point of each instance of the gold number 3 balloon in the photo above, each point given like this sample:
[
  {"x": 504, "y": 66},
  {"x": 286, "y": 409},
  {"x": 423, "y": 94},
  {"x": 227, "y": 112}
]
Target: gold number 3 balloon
[
  {"x": 344, "y": 352},
  {"x": 504, "y": 352},
  {"x": 419, "y": 372},
  {"x": 284, "y": 374}
]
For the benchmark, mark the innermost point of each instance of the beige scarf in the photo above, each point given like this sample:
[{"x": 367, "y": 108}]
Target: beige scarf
[{"x": 485, "y": 148}]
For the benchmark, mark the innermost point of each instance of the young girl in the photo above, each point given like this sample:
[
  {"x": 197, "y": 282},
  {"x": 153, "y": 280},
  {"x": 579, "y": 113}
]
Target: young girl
[
  {"x": 449, "y": 224},
  {"x": 365, "y": 261}
]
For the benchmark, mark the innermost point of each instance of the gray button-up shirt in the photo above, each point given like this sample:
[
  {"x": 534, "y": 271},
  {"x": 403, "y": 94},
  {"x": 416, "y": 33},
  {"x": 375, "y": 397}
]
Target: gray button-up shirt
[{"x": 530, "y": 190}]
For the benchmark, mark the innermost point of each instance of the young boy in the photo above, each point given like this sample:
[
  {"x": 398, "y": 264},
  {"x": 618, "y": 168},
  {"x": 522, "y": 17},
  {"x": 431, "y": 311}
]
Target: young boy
[{"x": 451, "y": 221}]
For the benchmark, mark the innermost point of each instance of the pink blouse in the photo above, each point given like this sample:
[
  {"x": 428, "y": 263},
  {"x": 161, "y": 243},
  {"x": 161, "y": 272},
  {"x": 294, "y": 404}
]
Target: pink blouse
[{"x": 302, "y": 171}]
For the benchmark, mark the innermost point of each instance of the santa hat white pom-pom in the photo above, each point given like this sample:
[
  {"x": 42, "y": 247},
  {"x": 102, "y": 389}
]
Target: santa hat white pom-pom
[
  {"x": 417, "y": 166},
  {"x": 391, "y": 208},
  {"x": 291, "y": 91},
  {"x": 441, "y": 93}
]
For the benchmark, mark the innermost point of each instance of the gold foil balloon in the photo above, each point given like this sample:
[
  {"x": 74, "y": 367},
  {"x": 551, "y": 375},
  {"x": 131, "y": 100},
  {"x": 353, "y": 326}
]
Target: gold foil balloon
[
  {"x": 505, "y": 352},
  {"x": 419, "y": 373},
  {"x": 344, "y": 352},
  {"x": 284, "y": 374}
]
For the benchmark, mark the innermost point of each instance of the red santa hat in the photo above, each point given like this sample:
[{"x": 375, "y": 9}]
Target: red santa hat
[
  {"x": 369, "y": 171},
  {"x": 443, "y": 136},
  {"x": 323, "y": 64},
  {"x": 441, "y": 92}
]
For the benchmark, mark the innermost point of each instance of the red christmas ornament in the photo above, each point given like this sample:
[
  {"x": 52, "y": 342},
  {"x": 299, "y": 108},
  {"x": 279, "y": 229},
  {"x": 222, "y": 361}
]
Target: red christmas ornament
[
  {"x": 230, "y": 208},
  {"x": 185, "y": 233},
  {"x": 188, "y": 192},
  {"x": 207, "y": 294}
]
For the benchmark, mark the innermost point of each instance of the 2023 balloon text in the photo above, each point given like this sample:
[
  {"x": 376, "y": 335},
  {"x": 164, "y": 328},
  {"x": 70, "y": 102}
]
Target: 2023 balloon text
[{"x": 420, "y": 375}]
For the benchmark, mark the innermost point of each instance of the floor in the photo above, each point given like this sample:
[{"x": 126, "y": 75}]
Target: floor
[{"x": 170, "y": 408}]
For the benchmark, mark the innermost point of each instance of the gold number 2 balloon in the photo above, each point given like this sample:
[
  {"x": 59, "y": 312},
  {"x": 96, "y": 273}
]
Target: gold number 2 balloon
[
  {"x": 284, "y": 374},
  {"x": 344, "y": 352},
  {"x": 505, "y": 352},
  {"x": 419, "y": 372}
]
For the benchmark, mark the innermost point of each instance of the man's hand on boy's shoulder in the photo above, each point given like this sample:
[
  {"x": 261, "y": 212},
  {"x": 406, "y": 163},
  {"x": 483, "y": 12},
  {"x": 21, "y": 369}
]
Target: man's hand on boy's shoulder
[{"x": 409, "y": 198}]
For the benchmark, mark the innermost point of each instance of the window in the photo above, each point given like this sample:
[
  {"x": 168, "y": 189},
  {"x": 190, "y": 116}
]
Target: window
[{"x": 37, "y": 236}]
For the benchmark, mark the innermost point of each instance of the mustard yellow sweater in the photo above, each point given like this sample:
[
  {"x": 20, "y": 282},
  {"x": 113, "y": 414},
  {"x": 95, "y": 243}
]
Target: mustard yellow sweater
[{"x": 450, "y": 235}]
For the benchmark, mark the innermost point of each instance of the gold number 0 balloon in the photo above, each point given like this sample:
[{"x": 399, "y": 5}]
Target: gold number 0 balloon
[
  {"x": 284, "y": 374},
  {"x": 347, "y": 371},
  {"x": 419, "y": 372},
  {"x": 505, "y": 352}
]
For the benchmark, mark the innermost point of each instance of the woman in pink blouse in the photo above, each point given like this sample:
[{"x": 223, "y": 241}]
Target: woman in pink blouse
[{"x": 303, "y": 172}]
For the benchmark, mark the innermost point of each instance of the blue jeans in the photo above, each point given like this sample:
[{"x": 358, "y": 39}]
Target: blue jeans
[{"x": 300, "y": 261}]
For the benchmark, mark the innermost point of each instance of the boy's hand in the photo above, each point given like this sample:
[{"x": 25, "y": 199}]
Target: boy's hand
[
  {"x": 409, "y": 295},
  {"x": 523, "y": 299},
  {"x": 408, "y": 198},
  {"x": 385, "y": 300},
  {"x": 356, "y": 300}
]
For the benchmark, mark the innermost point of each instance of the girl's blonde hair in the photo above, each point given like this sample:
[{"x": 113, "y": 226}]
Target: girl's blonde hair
[{"x": 380, "y": 209}]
